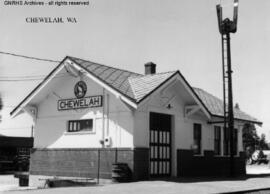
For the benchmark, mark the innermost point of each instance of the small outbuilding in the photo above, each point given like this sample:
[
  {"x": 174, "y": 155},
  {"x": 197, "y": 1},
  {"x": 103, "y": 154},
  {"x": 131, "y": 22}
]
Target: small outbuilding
[{"x": 89, "y": 116}]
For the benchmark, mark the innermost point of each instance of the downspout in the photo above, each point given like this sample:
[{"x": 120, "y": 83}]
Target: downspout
[
  {"x": 103, "y": 118},
  {"x": 108, "y": 111}
]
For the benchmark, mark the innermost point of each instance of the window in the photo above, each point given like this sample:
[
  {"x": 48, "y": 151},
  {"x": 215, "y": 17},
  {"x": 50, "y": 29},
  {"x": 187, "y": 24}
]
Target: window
[
  {"x": 235, "y": 141},
  {"x": 226, "y": 141},
  {"x": 217, "y": 140},
  {"x": 197, "y": 135},
  {"x": 80, "y": 125}
]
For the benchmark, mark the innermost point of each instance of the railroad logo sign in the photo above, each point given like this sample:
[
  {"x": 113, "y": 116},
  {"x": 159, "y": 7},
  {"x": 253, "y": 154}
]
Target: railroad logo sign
[{"x": 80, "y": 89}]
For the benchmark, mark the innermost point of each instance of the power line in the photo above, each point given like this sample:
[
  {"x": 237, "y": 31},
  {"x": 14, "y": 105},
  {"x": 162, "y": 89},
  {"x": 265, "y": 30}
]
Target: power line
[
  {"x": 28, "y": 76},
  {"x": 28, "y": 79},
  {"x": 25, "y": 76},
  {"x": 28, "y": 57},
  {"x": 18, "y": 80}
]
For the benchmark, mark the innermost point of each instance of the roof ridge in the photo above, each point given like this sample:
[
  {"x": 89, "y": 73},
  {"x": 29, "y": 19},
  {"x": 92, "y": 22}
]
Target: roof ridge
[
  {"x": 105, "y": 65},
  {"x": 149, "y": 75}
]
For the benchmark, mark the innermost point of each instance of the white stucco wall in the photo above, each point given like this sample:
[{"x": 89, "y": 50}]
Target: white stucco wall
[
  {"x": 182, "y": 126},
  {"x": 126, "y": 127},
  {"x": 51, "y": 124}
]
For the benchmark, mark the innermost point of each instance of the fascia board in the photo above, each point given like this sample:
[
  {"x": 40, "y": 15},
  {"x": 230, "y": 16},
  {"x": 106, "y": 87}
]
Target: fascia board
[
  {"x": 37, "y": 90},
  {"x": 104, "y": 85},
  {"x": 193, "y": 94},
  {"x": 172, "y": 79}
]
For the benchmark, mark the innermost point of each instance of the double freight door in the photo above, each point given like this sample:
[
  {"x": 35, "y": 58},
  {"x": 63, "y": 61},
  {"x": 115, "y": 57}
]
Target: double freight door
[{"x": 160, "y": 145}]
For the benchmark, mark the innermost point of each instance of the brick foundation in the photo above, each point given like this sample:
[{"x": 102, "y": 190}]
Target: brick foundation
[
  {"x": 84, "y": 162},
  {"x": 207, "y": 165}
]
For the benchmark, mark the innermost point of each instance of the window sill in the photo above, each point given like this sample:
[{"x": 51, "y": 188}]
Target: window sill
[
  {"x": 198, "y": 155},
  {"x": 79, "y": 133},
  {"x": 218, "y": 156}
]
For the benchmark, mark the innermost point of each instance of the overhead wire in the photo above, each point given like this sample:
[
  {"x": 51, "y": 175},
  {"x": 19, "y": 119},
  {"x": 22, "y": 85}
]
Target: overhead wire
[
  {"x": 13, "y": 79},
  {"x": 24, "y": 78},
  {"x": 28, "y": 57}
]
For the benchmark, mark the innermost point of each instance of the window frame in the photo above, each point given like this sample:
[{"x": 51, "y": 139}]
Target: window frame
[
  {"x": 226, "y": 141},
  {"x": 80, "y": 126},
  {"x": 197, "y": 138},
  {"x": 217, "y": 140},
  {"x": 235, "y": 141}
]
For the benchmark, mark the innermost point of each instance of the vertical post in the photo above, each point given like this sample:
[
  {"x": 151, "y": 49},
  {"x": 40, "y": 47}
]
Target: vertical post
[
  {"x": 98, "y": 167},
  {"x": 103, "y": 117},
  {"x": 230, "y": 105}
]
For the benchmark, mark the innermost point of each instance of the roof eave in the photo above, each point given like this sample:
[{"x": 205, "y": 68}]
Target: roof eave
[
  {"x": 204, "y": 108},
  {"x": 243, "y": 120},
  {"x": 19, "y": 107}
]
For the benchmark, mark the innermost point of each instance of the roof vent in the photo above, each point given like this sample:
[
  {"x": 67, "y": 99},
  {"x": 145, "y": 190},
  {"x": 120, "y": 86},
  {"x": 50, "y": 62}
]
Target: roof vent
[{"x": 150, "y": 68}]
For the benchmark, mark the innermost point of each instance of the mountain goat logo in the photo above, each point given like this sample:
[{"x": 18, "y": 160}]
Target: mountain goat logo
[{"x": 80, "y": 89}]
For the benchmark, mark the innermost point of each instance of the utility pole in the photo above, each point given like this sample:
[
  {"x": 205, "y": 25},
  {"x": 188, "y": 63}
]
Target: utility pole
[{"x": 226, "y": 27}]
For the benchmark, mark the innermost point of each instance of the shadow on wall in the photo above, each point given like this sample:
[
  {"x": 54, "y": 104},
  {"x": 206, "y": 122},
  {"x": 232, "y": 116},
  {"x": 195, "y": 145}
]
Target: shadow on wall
[{"x": 51, "y": 131}]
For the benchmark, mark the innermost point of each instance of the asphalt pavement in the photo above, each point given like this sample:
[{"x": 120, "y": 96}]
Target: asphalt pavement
[{"x": 258, "y": 179}]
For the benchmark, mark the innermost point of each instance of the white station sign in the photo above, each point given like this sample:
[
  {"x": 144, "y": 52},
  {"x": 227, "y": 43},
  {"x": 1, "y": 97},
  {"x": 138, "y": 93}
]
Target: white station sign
[{"x": 80, "y": 103}]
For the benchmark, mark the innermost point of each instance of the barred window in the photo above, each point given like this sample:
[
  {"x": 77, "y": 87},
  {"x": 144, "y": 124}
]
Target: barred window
[
  {"x": 80, "y": 125},
  {"x": 197, "y": 135},
  {"x": 217, "y": 140}
]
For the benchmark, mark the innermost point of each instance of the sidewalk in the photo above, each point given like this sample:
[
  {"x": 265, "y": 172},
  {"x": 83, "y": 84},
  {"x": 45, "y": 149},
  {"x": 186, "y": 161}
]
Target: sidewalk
[{"x": 9, "y": 183}]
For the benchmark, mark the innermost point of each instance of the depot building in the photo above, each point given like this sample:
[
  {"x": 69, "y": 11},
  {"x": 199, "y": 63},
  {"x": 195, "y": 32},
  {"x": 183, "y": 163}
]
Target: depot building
[{"x": 88, "y": 116}]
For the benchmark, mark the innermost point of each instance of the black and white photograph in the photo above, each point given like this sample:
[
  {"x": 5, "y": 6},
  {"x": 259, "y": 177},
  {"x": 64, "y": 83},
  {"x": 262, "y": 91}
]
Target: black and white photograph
[{"x": 134, "y": 96}]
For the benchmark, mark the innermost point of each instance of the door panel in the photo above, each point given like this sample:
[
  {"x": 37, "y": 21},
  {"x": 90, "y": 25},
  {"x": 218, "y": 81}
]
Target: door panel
[{"x": 160, "y": 145}]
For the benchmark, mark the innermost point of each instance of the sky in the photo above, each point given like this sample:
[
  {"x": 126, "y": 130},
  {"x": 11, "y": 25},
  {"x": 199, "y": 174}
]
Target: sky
[{"x": 175, "y": 34}]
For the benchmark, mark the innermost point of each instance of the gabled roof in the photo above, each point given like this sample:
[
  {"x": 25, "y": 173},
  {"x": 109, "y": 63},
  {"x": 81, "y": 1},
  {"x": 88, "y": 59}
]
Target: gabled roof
[
  {"x": 116, "y": 78},
  {"x": 144, "y": 85},
  {"x": 137, "y": 87}
]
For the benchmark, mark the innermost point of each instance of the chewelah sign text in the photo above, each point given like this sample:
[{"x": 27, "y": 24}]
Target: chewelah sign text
[{"x": 79, "y": 103}]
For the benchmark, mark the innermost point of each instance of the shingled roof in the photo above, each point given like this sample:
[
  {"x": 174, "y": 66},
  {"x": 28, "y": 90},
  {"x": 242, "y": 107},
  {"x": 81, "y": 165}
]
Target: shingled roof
[{"x": 136, "y": 86}]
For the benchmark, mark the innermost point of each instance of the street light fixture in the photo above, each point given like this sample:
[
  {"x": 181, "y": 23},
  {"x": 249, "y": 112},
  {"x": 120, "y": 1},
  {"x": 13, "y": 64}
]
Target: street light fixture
[{"x": 227, "y": 26}]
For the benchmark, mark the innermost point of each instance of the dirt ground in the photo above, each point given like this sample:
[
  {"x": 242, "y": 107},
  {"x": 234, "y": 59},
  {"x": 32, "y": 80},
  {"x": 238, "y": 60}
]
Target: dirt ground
[{"x": 258, "y": 178}]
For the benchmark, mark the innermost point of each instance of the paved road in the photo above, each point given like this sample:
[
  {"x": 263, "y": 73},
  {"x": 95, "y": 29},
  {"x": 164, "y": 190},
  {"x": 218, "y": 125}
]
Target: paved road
[
  {"x": 160, "y": 187},
  {"x": 172, "y": 186}
]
